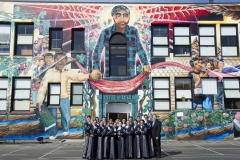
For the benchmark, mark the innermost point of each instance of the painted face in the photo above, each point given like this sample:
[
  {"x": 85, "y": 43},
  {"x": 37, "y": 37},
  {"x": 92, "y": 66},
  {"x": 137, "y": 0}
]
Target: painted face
[
  {"x": 209, "y": 66},
  {"x": 37, "y": 62},
  {"x": 41, "y": 62},
  {"x": 220, "y": 64},
  {"x": 198, "y": 65},
  {"x": 60, "y": 63},
  {"x": 121, "y": 18},
  {"x": 48, "y": 60}
]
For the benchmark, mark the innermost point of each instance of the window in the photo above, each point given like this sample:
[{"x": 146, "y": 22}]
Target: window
[
  {"x": 231, "y": 88},
  {"x": 207, "y": 41},
  {"x": 182, "y": 46},
  {"x": 161, "y": 94},
  {"x": 78, "y": 39},
  {"x": 183, "y": 93},
  {"x": 21, "y": 94},
  {"x": 160, "y": 46},
  {"x": 209, "y": 85},
  {"x": 5, "y": 30},
  {"x": 24, "y": 39},
  {"x": 76, "y": 94},
  {"x": 54, "y": 91},
  {"x": 229, "y": 40},
  {"x": 232, "y": 93},
  {"x": 3, "y": 93},
  {"x": 56, "y": 39},
  {"x": 118, "y": 55}
]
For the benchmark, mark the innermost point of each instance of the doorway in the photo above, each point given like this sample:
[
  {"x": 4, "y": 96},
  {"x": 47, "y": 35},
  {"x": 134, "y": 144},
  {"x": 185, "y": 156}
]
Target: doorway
[
  {"x": 118, "y": 111},
  {"x": 115, "y": 116}
]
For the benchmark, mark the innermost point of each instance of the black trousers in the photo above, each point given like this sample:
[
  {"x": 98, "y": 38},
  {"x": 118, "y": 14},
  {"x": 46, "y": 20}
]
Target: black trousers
[{"x": 157, "y": 147}]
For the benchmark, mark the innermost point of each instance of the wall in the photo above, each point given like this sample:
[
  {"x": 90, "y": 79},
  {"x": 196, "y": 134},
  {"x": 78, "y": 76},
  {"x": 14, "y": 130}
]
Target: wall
[{"x": 95, "y": 18}]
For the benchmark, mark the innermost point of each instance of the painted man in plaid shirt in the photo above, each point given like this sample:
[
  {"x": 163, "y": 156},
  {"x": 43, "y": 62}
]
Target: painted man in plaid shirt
[{"x": 121, "y": 17}]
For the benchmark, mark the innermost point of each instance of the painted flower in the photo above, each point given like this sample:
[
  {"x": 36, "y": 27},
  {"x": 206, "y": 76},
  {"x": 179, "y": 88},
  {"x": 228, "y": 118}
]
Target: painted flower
[
  {"x": 167, "y": 121},
  {"x": 109, "y": 21},
  {"x": 145, "y": 37},
  {"x": 237, "y": 116},
  {"x": 206, "y": 115},
  {"x": 166, "y": 129},
  {"x": 183, "y": 117},
  {"x": 145, "y": 25},
  {"x": 94, "y": 26},
  {"x": 91, "y": 34},
  {"x": 170, "y": 129},
  {"x": 193, "y": 121},
  {"x": 225, "y": 115},
  {"x": 193, "y": 115},
  {"x": 185, "y": 125},
  {"x": 136, "y": 23},
  {"x": 200, "y": 118}
]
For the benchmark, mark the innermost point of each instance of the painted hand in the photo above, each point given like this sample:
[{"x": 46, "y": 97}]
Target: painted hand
[
  {"x": 146, "y": 69},
  {"x": 39, "y": 106},
  {"x": 204, "y": 74},
  {"x": 96, "y": 75},
  {"x": 196, "y": 77}
]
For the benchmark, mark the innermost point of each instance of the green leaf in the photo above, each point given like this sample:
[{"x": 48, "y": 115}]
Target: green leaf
[
  {"x": 15, "y": 72},
  {"x": 146, "y": 82},
  {"x": 105, "y": 23},
  {"x": 82, "y": 21},
  {"x": 16, "y": 8},
  {"x": 139, "y": 69},
  {"x": 42, "y": 14},
  {"x": 81, "y": 58}
]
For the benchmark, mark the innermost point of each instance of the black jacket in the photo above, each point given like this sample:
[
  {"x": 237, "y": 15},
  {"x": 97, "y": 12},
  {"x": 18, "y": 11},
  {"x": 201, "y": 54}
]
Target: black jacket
[{"x": 156, "y": 129}]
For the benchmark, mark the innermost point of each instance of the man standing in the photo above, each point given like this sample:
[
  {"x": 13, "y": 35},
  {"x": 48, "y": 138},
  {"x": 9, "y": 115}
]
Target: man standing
[
  {"x": 121, "y": 17},
  {"x": 130, "y": 121},
  {"x": 104, "y": 121},
  {"x": 156, "y": 133},
  {"x": 148, "y": 124},
  {"x": 87, "y": 126},
  {"x": 59, "y": 74}
]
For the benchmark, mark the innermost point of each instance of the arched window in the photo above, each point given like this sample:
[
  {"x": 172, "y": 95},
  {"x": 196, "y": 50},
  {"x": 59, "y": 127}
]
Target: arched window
[{"x": 118, "y": 55}]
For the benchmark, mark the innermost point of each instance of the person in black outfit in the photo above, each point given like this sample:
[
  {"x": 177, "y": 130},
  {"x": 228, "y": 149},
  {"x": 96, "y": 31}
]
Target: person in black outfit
[
  {"x": 87, "y": 126},
  {"x": 156, "y": 133}
]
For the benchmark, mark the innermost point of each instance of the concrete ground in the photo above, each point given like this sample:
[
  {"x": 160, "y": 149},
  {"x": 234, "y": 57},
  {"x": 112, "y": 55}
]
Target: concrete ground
[{"x": 72, "y": 149}]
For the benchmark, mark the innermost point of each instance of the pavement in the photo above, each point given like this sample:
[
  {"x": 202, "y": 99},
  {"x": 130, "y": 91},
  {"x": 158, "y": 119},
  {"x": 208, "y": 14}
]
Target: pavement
[{"x": 72, "y": 150}]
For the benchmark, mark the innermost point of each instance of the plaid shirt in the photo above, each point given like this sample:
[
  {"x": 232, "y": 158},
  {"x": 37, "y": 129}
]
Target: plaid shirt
[{"x": 134, "y": 46}]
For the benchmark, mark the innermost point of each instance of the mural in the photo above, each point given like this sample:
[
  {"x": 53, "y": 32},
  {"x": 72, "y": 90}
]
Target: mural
[
  {"x": 198, "y": 125},
  {"x": 101, "y": 22}
]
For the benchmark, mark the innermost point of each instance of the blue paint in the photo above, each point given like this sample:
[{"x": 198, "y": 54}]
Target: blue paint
[
  {"x": 219, "y": 136},
  {"x": 25, "y": 121},
  {"x": 45, "y": 135}
]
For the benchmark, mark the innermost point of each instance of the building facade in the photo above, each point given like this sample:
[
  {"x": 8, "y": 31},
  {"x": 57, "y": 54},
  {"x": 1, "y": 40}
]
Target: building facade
[{"x": 192, "y": 49}]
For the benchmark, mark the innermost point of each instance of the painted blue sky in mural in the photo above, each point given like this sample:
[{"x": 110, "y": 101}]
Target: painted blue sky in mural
[{"x": 131, "y": 1}]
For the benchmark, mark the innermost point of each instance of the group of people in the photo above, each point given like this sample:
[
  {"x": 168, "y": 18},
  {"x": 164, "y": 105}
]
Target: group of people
[{"x": 122, "y": 139}]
